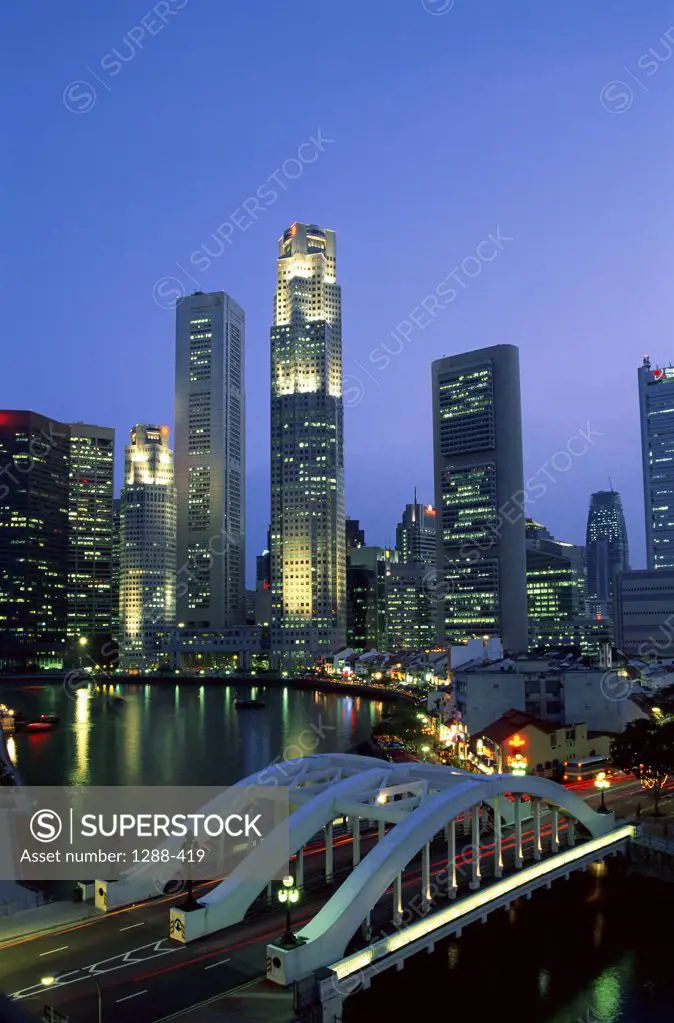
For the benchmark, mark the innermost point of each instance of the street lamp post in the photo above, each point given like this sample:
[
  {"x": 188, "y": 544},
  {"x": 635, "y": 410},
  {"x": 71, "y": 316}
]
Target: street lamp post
[
  {"x": 602, "y": 783},
  {"x": 50, "y": 980},
  {"x": 82, "y": 642},
  {"x": 287, "y": 896}
]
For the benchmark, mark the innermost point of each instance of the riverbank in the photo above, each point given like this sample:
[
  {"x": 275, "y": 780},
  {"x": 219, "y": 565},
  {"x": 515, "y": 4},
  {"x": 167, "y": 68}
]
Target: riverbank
[{"x": 271, "y": 680}]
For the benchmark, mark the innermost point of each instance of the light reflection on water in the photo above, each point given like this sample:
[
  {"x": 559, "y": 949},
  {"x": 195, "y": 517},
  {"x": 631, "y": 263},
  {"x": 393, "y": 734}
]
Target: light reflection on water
[
  {"x": 179, "y": 734},
  {"x": 594, "y": 949}
]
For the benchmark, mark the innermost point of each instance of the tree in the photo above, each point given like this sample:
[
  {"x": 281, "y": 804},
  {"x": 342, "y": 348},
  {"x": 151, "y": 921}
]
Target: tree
[
  {"x": 400, "y": 719},
  {"x": 646, "y": 750}
]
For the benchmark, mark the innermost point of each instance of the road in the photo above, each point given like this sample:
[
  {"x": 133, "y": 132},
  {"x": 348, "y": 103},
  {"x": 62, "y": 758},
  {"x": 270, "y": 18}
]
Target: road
[{"x": 138, "y": 968}]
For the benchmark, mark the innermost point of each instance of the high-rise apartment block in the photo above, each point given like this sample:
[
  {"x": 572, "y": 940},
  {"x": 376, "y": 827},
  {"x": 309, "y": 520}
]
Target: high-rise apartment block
[
  {"x": 656, "y": 406},
  {"x": 308, "y": 558},
  {"x": 479, "y": 480},
  {"x": 147, "y": 604},
  {"x": 210, "y": 460}
]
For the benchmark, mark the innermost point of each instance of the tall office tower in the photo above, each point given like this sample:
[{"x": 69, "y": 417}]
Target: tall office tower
[
  {"x": 355, "y": 536},
  {"x": 210, "y": 460},
  {"x": 34, "y": 458},
  {"x": 308, "y": 559},
  {"x": 410, "y": 611},
  {"x": 656, "y": 405},
  {"x": 90, "y": 610},
  {"x": 481, "y": 553},
  {"x": 368, "y": 574},
  {"x": 147, "y": 585},
  {"x": 556, "y": 587},
  {"x": 415, "y": 534},
  {"x": 607, "y": 549},
  {"x": 116, "y": 556}
]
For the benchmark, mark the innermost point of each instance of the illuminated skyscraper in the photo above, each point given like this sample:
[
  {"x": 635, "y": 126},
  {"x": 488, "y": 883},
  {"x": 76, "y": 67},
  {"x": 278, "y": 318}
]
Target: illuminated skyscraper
[
  {"x": 481, "y": 552},
  {"x": 147, "y": 584},
  {"x": 556, "y": 587},
  {"x": 415, "y": 534},
  {"x": 34, "y": 468},
  {"x": 92, "y": 454},
  {"x": 116, "y": 554},
  {"x": 210, "y": 460},
  {"x": 368, "y": 574},
  {"x": 607, "y": 549},
  {"x": 308, "y": 560},
  {"x": 656, "y": 405}
]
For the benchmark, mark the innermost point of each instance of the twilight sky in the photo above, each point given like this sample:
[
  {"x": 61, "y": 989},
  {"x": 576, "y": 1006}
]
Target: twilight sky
[{"x": 441, "y": 122}]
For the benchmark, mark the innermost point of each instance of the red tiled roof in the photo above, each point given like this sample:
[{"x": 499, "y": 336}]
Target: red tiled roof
[{"x": 514, "y": 721}]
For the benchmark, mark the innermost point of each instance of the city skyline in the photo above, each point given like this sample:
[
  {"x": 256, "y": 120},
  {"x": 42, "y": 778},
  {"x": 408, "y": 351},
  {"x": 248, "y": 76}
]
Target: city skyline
[
  {"x": 581, "y": 305},
  {"x": 337, "y": 458},
  {"x": 387, "y": 536}
]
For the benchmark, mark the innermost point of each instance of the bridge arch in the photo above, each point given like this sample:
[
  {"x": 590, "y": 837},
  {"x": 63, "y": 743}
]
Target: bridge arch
[
  {"x": 327, "y": 935},
  {"x": 228, "y": 903}
]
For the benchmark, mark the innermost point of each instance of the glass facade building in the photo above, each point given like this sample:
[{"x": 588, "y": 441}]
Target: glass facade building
[
  {"x": 147, "y": 585},
  {"x": 556, "y": 587},
  {"x": 415, "y": 535},
  {"x": 410, "y": 610},
  {"x": 34, "y": 526},
  {"x": 656, "y": 406},
  {"x": 210, "y": 460},
  {"x": 607, "y": 549},
  {"x": 479, "y": 480},
  {"x": 368, "y": 575},
  {"x": 90, "y": 512},
  {"x": 308, "y": 532}
]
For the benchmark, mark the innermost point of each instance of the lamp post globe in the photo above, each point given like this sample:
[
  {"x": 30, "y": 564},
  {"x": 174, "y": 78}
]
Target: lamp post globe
[
  {"x": 288, "y": 895},
  {"x": 602, "y": 783}
]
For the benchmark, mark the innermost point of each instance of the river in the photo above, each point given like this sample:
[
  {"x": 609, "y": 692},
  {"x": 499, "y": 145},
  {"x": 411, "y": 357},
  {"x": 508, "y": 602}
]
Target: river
[
  {"x": 595, "y": 949},
  {"x": 170, "y": 734}
]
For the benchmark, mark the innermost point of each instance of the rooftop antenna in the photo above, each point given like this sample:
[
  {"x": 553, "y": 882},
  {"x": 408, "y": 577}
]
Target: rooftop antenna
[{"x": 610, "y": 485}]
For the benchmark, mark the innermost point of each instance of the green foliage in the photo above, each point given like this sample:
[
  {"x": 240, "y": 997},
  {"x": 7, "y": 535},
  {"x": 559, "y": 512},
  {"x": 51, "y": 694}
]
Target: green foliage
[
  {"x": 646, "y": 750},
  {"x": 400, "y": 719}
]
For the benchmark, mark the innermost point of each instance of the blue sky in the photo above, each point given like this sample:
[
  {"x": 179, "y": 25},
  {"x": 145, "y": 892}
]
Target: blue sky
[{"x": 549, "y": 121}]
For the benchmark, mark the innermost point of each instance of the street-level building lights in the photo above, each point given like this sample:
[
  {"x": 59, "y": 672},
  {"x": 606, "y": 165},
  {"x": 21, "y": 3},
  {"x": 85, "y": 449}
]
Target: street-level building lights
[
  {"x": 288, "y": 895},
  {"x": 602, "y": 783}
]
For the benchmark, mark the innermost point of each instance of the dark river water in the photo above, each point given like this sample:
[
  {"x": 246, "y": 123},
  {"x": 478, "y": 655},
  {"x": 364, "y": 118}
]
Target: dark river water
[
  {"x": 178, "y": 734},
  {"x": 596, "y": 949}
]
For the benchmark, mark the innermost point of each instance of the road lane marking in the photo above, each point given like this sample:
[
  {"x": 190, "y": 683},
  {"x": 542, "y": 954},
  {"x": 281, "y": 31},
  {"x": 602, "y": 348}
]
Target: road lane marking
[
  {"x": 52, "y": 950},
  {"x": 221, "y": 963},
  {"x": 132, "y": 996},
  {"x": 122, "y": 960},
  {"x": 131, "y": 926}
]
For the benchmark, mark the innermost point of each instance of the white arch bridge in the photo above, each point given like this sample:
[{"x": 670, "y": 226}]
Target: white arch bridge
[{"x": 521, "y": 833}]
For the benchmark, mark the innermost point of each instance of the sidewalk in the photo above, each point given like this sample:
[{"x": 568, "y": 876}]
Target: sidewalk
[
  {"x": 258, "y": 1001},
  {"x": 44, "y": 918}
]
